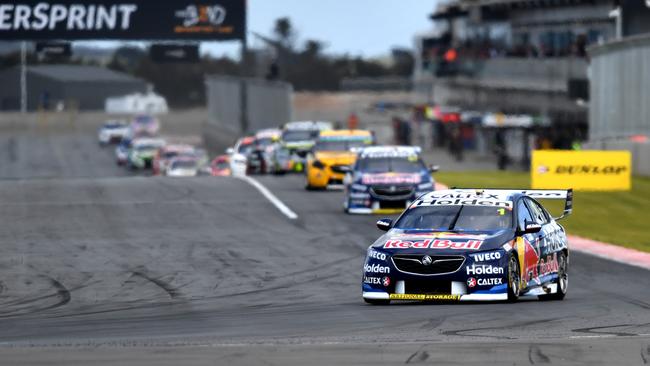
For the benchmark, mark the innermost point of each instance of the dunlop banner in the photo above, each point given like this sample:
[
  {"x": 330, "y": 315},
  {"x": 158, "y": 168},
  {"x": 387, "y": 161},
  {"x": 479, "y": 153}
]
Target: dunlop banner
[{"x": 587, "y": 170}]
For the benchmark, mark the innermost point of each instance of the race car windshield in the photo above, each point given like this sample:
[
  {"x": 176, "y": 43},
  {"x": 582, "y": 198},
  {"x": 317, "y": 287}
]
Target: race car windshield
[
  {"x": 338, "y": 145},
  {"x": 113, "y": 126},
  {"x": 456, "y": 218},
  {"x": 391, "y": 164},
  {"x": 144, "y": 120},
  {"x": 183, "y": 165},
  {"x": 222, "y": 165},
  {"x": 170, "y": 154},
  {"x": 298, "y": 135},
  {"x": 264, "y": 142},
  {"x": 245, "y": 149},
  {"x": 146, "y": 147}
]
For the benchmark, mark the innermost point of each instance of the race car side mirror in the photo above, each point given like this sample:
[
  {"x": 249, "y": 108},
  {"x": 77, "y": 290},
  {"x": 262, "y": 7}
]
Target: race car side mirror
[
  {"x": 230, "y": 151},
  {"x": 531, "y": 228},
  {"x": 434, "y": 168},
  {"x": 384, "y": 224}
]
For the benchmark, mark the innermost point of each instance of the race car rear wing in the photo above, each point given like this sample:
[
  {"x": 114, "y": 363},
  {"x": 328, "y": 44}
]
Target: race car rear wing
[
  {"x": 554, "y": 194},
  {"x": 547, "y": 194}
]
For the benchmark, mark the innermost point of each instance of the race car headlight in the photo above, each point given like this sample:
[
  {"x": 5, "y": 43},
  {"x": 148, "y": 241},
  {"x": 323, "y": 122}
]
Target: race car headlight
[
  {"x": 359, "y": 187},
  {"x": 425, "y": 186},
  {"x": 318, "y": 164}
]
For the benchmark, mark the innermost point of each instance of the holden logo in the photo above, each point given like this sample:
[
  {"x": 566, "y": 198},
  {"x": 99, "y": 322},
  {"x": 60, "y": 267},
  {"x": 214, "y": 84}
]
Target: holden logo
[
  {"x": 542, "y": 169},
  {"x": 471, "y": 282},
  {"x": 385, "y": 281},
  {"x": 392, "y": 188},
  {"x": 426, "y": 260}
]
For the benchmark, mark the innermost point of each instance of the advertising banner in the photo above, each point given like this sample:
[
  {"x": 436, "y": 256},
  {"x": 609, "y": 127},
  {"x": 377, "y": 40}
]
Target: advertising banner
[
  {"x": 209, "y": 20},
  {"x": 587, "y": 170}
]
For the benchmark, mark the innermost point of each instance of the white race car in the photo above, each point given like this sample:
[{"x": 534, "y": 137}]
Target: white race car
[
  {"x": 112, "y": 131},
  {"x": 239, "y": 155},
  {"x": 183, "y": 167}
]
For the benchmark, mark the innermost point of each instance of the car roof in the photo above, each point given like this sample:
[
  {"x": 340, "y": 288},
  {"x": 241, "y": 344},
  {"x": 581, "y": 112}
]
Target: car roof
[
  {"x": 268, "y": 133},
  {"x": 246, "y": 140},
  {"x": 148, "y": 141},
  {"x": 344, "y": 133},
  {"x": 308, "y": 125},
  {"x": 389, "y": 151},
  {"x": 178, "y": 147},
  {"x": 183, "y": 158}
]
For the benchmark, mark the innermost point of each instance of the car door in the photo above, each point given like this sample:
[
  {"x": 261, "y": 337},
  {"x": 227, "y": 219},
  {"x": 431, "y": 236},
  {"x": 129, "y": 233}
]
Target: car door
[
  {"x": 527, "y": 246},
  {"x": 548, "y": 244}
]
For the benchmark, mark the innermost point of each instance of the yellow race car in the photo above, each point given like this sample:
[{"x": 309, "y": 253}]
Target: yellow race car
[{"x": 332, "y": 156}]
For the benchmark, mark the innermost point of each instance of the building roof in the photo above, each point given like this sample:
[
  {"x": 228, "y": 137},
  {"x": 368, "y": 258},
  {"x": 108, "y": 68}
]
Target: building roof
[{"x": 72, "y": 73}]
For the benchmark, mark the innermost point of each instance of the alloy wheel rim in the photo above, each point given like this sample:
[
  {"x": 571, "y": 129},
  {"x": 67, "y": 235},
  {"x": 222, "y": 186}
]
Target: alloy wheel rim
[{"x": 514, "y": 276}]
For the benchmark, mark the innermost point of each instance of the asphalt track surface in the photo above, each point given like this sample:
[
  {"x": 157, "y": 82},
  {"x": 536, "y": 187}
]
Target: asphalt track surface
[{"x": 99, "y": 267}]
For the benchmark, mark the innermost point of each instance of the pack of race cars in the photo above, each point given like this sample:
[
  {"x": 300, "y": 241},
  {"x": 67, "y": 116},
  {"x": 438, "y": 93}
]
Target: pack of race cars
[
  {"x": 447, "y": 245},
  {"x": 452, "y": 245},
  {"x": 139, "y": 147}
]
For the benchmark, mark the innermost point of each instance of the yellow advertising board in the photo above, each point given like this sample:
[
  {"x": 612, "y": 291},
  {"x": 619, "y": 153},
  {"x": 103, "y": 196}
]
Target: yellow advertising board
[{"x": 586, "y": 170}]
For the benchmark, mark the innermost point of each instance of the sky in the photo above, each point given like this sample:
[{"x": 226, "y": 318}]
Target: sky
[
  {"x": 358, "y": 27},
  {"x": 368, "y": 28}
]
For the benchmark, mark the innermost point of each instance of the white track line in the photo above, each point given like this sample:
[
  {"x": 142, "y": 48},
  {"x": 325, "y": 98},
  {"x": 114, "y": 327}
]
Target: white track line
[{"x": 270, "y": 196}]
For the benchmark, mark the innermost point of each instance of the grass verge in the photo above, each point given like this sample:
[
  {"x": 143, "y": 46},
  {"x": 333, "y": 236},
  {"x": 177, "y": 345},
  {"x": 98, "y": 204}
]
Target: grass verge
[{"x": 620, "y": 218}]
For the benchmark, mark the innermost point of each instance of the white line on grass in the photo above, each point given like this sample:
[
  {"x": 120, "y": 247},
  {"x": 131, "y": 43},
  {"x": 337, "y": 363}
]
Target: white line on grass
[{"x": 270, "y": 196}]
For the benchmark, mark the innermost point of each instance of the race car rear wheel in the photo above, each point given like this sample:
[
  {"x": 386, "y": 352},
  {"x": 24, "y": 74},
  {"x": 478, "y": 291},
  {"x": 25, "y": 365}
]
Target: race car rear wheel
[
  {"x": 562, "y": 281},
  {"x": 377, "y": 301},
  {"x": 514, "y": 278}
]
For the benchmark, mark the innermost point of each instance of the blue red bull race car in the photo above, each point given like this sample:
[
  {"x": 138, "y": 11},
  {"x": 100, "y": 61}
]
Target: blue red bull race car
[
  {"x": 386, "y": 180},
  {"x": 470, "y": 244}
]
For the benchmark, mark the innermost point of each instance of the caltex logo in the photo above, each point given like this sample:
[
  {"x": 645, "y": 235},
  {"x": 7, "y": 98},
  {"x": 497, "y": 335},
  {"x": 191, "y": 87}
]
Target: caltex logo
[{"x": 471, "y": 282}]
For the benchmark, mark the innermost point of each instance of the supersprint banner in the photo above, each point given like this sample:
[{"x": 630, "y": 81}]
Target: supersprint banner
[
  {"x": 122, "y": 20},
  {"x": 587, "y": 170}
]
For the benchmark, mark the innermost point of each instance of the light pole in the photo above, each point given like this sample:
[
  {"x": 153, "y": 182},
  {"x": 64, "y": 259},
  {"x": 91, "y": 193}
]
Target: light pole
[{"x": 23, "y": 77}]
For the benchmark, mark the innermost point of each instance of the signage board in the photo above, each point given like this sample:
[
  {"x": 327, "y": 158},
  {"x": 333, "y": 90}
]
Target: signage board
[
  {"x": 588, "y": 170},
  {"x": 210, "y": 20}
]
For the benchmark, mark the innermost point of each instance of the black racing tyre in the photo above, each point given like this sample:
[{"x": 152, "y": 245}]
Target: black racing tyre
[
  {"x": 376, "y": 301},
  {"x": 514, "y": 278},
  {"x": 562, "y": 281}
]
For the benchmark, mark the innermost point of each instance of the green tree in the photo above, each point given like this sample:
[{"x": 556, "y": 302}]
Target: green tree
[{"x": 284, "y": 32}]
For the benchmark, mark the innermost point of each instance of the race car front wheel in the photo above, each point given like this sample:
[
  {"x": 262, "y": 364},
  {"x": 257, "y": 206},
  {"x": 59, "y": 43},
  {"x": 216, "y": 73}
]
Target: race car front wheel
[
  {"x": 514, "y": 278},
  {"x": 562, "y": 281}
]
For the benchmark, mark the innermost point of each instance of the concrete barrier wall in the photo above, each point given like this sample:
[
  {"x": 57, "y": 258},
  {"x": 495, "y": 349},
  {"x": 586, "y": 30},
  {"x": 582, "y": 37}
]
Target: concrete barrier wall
[
  {"x": 223, "y": 99},
  {"x": 620, "y": 89},
  {"x": 268, "y": 106}
]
